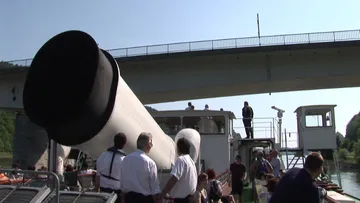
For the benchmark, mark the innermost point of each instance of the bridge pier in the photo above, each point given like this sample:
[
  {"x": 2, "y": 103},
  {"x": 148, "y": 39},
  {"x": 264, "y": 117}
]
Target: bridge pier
[{"x": 30, "y": 143}]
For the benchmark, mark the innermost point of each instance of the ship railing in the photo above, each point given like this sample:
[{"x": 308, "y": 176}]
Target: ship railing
[
  {"x": 289, "y": 140},
  {"x": 52, "y": 179},
  {"x": 263, "y": 127},
  {"x": 218, "y": 44}
]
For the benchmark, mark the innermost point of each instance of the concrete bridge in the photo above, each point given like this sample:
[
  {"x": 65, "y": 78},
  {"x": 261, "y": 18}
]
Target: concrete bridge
[
  {"x": 203, "y": 69},
  {"x": 194, "y": 70}
]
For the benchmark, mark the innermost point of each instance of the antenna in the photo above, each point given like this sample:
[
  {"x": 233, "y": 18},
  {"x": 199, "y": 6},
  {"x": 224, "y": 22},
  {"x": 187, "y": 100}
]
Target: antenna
[{"x": 258, "y": 27}]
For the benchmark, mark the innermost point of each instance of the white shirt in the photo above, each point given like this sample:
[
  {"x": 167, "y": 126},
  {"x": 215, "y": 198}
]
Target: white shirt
[
  {"x": 103, "y": 167},
  {"x": 90, "y": 171},
  {"x": 185, "y": 171},
  {"x": 139, "y": 174},
  {"x": 275, "y": 162},
  {"x": 60, "y": 165}
]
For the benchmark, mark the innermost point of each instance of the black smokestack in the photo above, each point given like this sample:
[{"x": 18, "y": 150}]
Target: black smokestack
[{"x": 70, "y": 88}]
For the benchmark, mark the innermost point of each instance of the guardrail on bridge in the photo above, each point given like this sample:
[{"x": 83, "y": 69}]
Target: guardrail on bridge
[{"x": 232, "y": 43}]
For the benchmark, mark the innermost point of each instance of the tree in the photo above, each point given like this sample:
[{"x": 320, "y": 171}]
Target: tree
[
  {"x": 343, "y": 154},
  {"x": 339, "y": 138},
  {"x": 7, "y": 65},
  {"x": 7, "y": 128},
  {"x": 353, "y": 128},
  {"x": 150, "y": 109}
]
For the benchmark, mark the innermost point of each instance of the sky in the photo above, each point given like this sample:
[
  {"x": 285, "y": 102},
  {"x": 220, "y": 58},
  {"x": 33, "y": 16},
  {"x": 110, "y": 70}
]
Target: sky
[{"x": 26, "y": 25}]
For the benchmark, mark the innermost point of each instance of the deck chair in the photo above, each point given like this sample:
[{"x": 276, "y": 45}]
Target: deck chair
[
  {"x": 86, "y": 182},
  {"x": 71, "y": 180}
]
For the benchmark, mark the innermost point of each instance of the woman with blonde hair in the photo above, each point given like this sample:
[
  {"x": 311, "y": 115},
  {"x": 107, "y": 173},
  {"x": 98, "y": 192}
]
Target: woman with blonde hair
[{"x": 201, "y": 194}]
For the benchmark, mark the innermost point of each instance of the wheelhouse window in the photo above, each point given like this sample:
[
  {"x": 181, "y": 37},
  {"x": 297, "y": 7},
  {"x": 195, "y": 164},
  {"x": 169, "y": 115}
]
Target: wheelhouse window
[
  {"x": 205, "y": 125},
  {"x": 231, "y": 129},
  {"x": 320, "y": 118},
  {"x": 170, "y": 125}
]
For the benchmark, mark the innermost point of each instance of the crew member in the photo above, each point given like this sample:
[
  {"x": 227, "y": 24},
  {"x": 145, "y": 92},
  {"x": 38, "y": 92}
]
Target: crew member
[
  {"x": 297, "y": 185},
  {"x": 237, "y": 175},
  {"x": 248, "y": 115},
  {"x": 183, "y": 180},
  {"x": 207, "y": 108},
  {"x": 108, "y": 167},
  {"x": 139, "y": 178},
  {"x": 189, "y": 106}
]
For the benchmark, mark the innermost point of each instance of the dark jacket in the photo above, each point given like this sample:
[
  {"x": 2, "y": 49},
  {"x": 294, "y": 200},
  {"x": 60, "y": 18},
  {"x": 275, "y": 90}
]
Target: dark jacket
[{"x": 247, "y": 112}]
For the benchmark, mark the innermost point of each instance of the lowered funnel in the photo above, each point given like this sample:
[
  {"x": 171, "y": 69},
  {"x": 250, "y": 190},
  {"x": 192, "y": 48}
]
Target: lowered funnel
[{"x": 74, "y": 90}]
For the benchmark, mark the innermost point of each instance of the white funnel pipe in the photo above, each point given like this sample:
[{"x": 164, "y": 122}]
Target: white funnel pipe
[{"x": 131, "y": 117}]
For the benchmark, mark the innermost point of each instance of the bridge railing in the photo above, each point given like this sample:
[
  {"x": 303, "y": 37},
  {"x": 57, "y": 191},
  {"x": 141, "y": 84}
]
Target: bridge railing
[{"x": 232, "y": 43}]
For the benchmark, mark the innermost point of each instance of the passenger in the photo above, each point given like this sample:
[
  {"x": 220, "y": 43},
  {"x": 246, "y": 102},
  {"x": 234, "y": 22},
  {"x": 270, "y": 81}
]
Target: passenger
[
  {"x": 297, "y": 185},
  {"x": 139, "y": 183},
  {"x": 282, "y": 173},
  {"x": 252, "y": 165},
  {"x": 221, "y": 109},
  {"x": 261, "y": 166},
  {"x": 69, "y": 168},
  {"x": 269, "y": 156},
  {"x": 206, "y": 107},
  {"x": 189, "y": 106},
  {"x": 248, "y": 115},
  {"x": 214, "y": 187},
  {"x": 86, "y": 170},
  {"x": 275, "y": 163},
  {"x": 237, "y": 175},
  {"x": 183, "y": 180},
  {"x": 227, "y": 199},
  {"x": 201, "y": 194},
  {"x": 192, "y": 107},
  {"x": 108, "y": 177},
  {"x": 14, "y": 175},
  {"x": 60, "y": 168},
  {"x": 270, "y": 185}
]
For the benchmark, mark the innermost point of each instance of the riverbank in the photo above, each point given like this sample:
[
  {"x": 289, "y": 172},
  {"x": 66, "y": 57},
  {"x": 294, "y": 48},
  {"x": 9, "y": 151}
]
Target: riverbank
[{"x": 349, "y": 164}]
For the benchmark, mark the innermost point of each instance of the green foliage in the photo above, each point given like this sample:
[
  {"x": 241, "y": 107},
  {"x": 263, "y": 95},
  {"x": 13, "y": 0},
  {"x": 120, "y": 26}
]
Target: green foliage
[
  {"x": 357, "y": 152},
  {"x": 339, "y": 139},
  {"x": 7, "y": 128},
  {"x": 353, "y": 128},
  {"x": 343, "y": 154},
  {"x": 351, "y": 144}
]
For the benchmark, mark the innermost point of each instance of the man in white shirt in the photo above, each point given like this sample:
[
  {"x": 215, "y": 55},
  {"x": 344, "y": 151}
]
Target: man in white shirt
[
  {"x": 139, "y": 178},
  {"x": 182, "y": 183},
  {"x": 108, "y": 167},
  {"x": 206, "y": 107}
]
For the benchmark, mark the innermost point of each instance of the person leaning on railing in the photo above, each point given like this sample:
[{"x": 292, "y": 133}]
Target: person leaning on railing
[{"x": 201, "y": 195}]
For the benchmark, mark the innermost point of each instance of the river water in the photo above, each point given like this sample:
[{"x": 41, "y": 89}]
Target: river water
[{"x": 350, "y": 180}]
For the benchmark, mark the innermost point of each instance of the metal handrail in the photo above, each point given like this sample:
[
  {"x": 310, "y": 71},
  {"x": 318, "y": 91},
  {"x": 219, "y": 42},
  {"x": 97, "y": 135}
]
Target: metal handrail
[
  {"x": 231, "y": 43},
  {"x": 56, "y": 178}
]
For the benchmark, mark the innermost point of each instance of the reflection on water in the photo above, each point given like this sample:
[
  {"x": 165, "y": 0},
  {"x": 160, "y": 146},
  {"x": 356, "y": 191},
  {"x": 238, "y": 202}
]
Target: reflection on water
[{"x": 350, "y": 182}]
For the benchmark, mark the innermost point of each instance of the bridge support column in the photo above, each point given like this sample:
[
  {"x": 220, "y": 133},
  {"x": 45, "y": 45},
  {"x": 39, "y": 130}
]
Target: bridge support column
[{"x": 30, "y": 143}]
